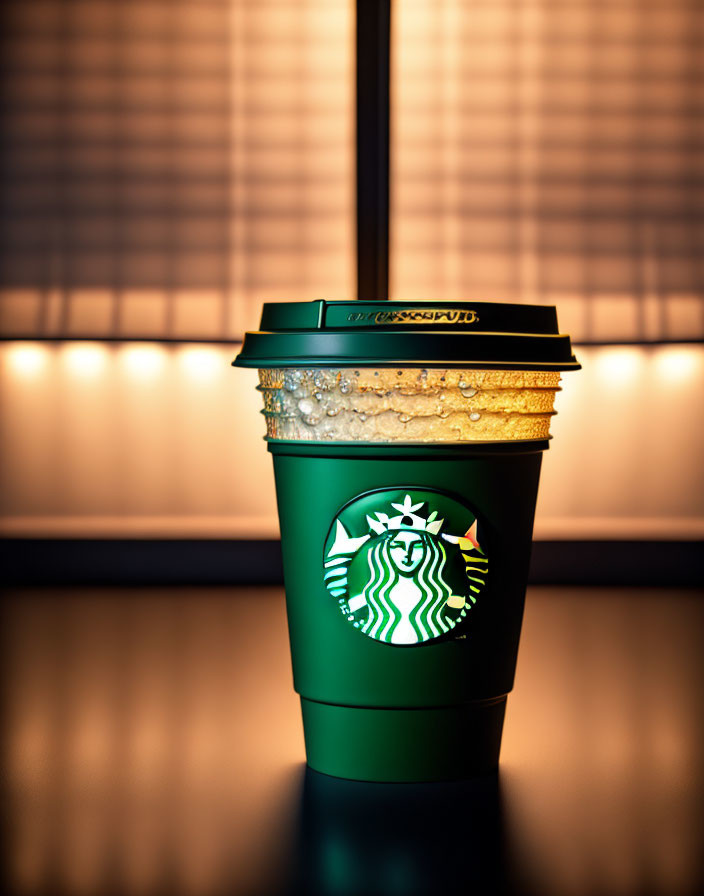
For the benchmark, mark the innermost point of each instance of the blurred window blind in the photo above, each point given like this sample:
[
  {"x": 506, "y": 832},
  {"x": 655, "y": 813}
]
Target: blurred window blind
[
  {"x": 170, "y": 164},
  {"x": 552, "y": 151}
]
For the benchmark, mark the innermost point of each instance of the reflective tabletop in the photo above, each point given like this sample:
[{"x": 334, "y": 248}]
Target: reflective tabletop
[{"x": 152, "y": 745}]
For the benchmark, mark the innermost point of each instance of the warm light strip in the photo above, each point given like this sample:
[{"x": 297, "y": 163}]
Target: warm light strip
[
  {"x": 139, "y": 361},
  {"x": 616, "y": 364},
  {"x": 267, "y": 527},
  {"x": 94, "y": 447}
]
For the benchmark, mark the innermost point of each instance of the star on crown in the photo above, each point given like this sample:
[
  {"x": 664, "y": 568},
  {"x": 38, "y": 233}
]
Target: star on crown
[
  {"x": 345, "y": 545},
  {"x": 407, "y": 519}
]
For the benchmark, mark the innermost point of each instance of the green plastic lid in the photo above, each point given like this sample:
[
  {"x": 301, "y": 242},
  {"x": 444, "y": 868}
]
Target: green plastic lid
[{"x": 409, "y": 334}]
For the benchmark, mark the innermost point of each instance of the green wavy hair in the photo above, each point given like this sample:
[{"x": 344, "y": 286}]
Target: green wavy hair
[{"x": 427, "y": 618}]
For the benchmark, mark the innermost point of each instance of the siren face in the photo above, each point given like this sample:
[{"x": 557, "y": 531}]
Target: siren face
[
  {"x": 407, "y": 551},
  {"x": 409, "y": 576}
]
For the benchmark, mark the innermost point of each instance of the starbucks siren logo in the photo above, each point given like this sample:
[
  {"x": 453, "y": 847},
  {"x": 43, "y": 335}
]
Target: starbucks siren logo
[{"x": 399, "y": 569}]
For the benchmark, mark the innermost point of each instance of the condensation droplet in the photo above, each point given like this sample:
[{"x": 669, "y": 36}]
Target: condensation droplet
[
  {"x": 469, "y": 393},
  {"x": 312, "y": 419},
  {"x": 404, "y": 418},
  {"x": 345, "y": 387},
  {"x": 362, "y": 417},
  {"x": 474, "y": 416},
  {"x": 318, "y": 395},
  {"x": 333, "y": 412},
  {"x": 305, "y": 406},
  {"x": 292, "y": 380}
]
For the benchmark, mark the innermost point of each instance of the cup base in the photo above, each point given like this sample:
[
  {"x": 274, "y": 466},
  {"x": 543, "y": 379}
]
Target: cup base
[{"x": 443, "y": 743}]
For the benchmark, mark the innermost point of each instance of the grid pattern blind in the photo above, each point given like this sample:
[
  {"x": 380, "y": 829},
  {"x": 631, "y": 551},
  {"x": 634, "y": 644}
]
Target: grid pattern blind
[
  {"x": 552, "y": 151},
  {"x": 170, "y": 164}
]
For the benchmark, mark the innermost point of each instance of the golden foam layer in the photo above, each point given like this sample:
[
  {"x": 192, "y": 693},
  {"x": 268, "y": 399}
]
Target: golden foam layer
[
  {"x": 533, "y": 401},
  {"x": 397, "y": 378},
  {"x": 387, "y": 428},
  {"x": 428, "y": 405}
]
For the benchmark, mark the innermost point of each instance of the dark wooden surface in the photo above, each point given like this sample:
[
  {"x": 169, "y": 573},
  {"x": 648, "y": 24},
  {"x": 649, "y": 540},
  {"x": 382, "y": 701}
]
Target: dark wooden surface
[
  {"x": 152, "y": 744},
  {"x": 204, "y": 562}
]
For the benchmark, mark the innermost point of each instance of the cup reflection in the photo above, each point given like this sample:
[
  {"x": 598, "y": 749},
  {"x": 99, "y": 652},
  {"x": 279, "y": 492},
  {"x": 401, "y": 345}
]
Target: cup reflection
[{"x": 403, "y": 839}]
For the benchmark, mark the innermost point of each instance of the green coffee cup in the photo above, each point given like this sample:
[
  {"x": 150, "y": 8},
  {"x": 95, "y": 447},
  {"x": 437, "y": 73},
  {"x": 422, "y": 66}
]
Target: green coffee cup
[{"x": 407, "y": 440}]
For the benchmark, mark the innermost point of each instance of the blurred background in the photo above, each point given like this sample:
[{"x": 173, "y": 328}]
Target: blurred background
[{"x": 169, "y": 165}]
